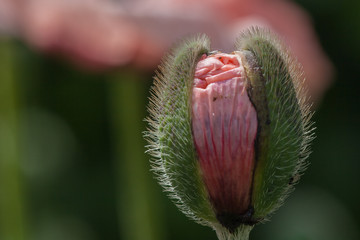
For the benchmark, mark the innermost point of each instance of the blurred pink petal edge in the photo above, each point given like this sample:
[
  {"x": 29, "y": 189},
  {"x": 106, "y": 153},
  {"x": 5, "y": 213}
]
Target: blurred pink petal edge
[{"x": 102, "y": 33}]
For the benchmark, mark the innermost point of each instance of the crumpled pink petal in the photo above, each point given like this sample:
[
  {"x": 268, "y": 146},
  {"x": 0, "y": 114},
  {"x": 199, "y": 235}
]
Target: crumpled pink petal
[{"x": 224, "y": 124}]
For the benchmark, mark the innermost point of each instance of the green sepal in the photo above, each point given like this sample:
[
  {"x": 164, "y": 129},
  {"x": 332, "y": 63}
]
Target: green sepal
[
  {"x": 276, "y": 90},
  {"x": 170, "y": 135}
]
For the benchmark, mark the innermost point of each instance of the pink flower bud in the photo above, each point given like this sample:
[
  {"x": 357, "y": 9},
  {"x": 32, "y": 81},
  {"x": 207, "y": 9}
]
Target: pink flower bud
[
  {"x": 229, "y": 132},
  {"x": 224, "y": 124}
]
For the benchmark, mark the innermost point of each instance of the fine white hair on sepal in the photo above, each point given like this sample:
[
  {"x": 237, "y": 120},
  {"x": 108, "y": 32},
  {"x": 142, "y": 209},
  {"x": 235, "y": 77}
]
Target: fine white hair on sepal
[
  {"x": 169, "y": 133},
  {"x": 291, "y": 129}
]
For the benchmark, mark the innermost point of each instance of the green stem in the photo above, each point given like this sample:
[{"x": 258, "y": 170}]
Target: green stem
[
  {"x": 12, "y": 220},
  {"x": 241, "y": 233},
  {"x": 138, "y": 206}
]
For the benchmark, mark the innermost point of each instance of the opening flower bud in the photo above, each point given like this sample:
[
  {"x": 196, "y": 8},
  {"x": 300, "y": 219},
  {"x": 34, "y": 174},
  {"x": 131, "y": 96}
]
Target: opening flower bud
[
  {"x": 224, "y": 125},
  {"x": 229, "y": 133}
]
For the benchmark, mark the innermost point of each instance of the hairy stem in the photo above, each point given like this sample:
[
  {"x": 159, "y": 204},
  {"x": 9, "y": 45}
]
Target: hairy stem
[{"x": 241, "y": 233}]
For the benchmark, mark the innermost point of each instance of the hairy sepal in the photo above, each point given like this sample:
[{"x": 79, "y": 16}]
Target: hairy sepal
[
  {"x": 170, "y": 136},
  {"x": 285, "y": 129}
]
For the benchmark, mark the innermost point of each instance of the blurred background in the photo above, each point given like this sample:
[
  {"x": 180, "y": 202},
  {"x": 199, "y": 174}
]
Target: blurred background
[{"x": 74, "y": 83}]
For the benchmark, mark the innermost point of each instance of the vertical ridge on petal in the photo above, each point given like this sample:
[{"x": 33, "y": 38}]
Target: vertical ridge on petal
[{"x": 223, "y": 113}]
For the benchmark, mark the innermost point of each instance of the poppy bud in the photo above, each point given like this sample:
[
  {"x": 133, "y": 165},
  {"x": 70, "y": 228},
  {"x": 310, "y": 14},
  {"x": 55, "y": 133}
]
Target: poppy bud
[{"x": 229, "y": 133}]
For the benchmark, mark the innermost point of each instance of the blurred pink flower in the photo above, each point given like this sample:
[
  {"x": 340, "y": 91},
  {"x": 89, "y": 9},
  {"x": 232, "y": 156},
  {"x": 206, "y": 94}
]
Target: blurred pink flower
[{"x": 104, "y": 33}]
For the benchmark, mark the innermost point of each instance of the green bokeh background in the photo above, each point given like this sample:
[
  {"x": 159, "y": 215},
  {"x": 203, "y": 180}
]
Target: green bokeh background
[{"x": 77, "y": 165}]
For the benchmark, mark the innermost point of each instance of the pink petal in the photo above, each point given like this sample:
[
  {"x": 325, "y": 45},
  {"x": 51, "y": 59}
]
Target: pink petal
[{"x": 224, "y": 129}]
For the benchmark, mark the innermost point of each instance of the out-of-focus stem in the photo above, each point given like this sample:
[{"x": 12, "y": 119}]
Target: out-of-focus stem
[
  {"x": 138, "y": 207},
  {"x": 12, "y": 222}
]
